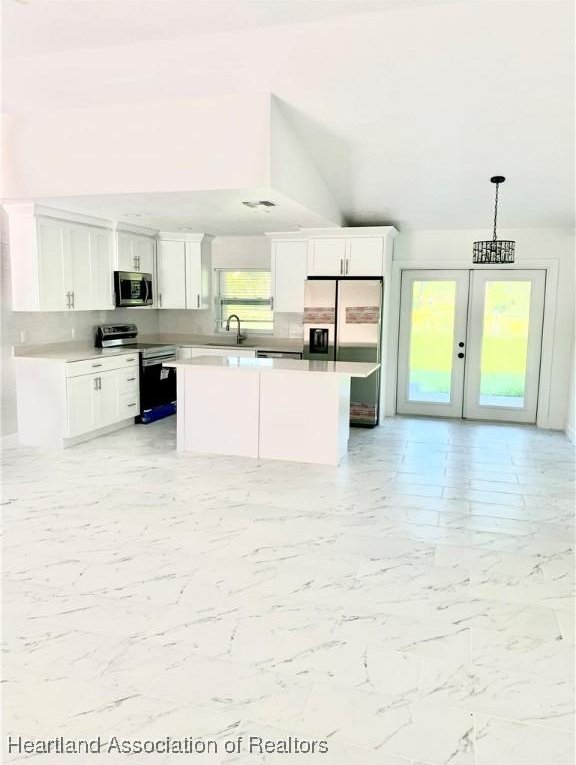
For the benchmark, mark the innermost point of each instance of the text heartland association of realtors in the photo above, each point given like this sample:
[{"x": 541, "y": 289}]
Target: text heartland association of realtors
[{"x": 166, "y": 745}]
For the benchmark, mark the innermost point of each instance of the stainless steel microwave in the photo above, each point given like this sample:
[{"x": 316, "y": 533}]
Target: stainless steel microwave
[{"x": 133, "y": 288}]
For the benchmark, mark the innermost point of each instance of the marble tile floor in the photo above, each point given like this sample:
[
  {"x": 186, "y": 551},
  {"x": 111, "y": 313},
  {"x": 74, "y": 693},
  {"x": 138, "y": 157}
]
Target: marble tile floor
[{"x": 411, "y": 607}]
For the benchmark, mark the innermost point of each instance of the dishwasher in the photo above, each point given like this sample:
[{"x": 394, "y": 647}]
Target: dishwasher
[{"x": 278, "y": 355}]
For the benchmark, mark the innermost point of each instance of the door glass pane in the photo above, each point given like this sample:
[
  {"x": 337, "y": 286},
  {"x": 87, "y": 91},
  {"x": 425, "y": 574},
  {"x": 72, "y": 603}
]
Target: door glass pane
[
  {"x": 505, "y": 343},
  {"x": 431, "y": 341}
]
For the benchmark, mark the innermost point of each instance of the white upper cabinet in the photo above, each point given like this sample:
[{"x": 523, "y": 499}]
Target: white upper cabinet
[
  {"x": 134, "y": 252},
  {"x": 184, "y": 267},
  {"x": 171, "y": 265},
  {"x": 58, "y": 265},
  {"x": 359, "y": 251},
  {"x": 102, "y": 269},
  {"x": 48, "y": 279},
  {"x": 195, "y": 292},
  {"x": 326, "y": 257},
  {"x": 79, "y": 268},
  {"x": 364, "y": 256},
  {"x": 289, "y": 265}
]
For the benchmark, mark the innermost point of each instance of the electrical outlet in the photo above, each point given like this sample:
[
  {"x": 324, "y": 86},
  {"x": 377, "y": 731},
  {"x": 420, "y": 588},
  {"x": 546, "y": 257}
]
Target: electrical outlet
[{"x": 23, "y": 336}]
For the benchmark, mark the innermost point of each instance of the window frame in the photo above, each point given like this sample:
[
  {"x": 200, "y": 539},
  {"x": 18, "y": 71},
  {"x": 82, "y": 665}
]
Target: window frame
[{"x": 220, "y": 302}]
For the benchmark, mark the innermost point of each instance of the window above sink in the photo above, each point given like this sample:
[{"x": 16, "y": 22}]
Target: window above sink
[{"x": 246, "y": 293}]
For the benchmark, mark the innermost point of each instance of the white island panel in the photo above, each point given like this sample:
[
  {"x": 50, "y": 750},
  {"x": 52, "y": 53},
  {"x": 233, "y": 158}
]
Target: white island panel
[
  {"x": 304, "y": 418},
  {"x": 218, "y": 411}
]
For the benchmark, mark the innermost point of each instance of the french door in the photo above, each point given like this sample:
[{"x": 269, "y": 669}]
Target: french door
[{"x": 470, "y": 343}]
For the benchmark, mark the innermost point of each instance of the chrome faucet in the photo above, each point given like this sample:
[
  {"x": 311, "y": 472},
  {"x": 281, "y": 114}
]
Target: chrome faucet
[{"x": 239, "y": 336}]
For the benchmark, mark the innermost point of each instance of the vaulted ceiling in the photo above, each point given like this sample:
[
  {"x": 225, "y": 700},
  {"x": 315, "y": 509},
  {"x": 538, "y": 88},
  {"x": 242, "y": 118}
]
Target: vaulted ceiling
[{"x": 407, "y": 108}]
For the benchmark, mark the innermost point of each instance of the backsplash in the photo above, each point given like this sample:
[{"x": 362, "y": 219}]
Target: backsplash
[
  {"x": 204, "y": 323},
  {"x": 55, "y": 327}
]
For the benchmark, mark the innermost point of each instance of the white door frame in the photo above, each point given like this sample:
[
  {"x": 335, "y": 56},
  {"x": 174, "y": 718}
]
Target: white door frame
[{"x": 550, "y": 265}]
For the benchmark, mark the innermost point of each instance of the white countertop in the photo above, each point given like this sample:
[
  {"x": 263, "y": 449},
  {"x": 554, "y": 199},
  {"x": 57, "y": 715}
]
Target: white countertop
[
  {"x": 345, "y": 368},
  {"x": 80, "y": 350},
  {"x": 71, "y": 354}
]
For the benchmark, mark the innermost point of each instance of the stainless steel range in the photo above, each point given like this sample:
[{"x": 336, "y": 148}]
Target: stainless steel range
[{"x": 157, "y": 383}]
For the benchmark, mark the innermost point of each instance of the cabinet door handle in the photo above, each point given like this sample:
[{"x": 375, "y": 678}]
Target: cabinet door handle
[
  {"x": 130, "y": 359},
  {"x": 96, "y": 365},
  {"x": 160, "y": 300},
  {"x": 72, "y": 299},
  {"x": 272, "y": 302},
  {"x": 130, "y": 379},
  {"x": 67, "y": 300},
  {"x": 95, "y": 383},
  {"x": 197, "y": 301},
  {"x": 341, "y": 267},
  {"x": 346, "y": 266},
  {"x": 134, "y": 404}
]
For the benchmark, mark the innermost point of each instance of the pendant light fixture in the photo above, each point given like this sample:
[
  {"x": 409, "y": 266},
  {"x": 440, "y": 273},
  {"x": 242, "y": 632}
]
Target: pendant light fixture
[{"x": 494, "y": 250}]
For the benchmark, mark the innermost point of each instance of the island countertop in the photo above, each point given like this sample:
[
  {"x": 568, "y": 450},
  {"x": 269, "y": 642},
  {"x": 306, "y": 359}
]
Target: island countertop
[{"x": 343, "y": 368}]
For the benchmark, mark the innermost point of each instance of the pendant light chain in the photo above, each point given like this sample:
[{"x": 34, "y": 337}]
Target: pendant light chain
[{"x": 496, "y": 211}]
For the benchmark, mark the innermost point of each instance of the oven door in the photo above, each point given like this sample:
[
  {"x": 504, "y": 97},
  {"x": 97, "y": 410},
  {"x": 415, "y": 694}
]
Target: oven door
[
  {"x": 132, "y": 288},
  {"x": 157, "y": 389}
]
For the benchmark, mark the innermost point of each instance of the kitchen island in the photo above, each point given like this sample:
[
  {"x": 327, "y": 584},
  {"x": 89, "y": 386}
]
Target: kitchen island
[{"x": 285, "y": 409}]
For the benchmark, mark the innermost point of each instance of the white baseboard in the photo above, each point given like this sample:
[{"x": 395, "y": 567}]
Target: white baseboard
[{"x": 9, "y": 441}]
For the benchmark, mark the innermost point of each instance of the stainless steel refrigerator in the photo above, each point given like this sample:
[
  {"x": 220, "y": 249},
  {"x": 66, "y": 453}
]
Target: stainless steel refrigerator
[{"x": 342, "y": 322}]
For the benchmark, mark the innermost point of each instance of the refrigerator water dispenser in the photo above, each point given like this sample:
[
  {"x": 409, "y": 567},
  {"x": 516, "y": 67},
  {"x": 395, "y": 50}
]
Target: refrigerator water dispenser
[{"x": 318, "y": 340}]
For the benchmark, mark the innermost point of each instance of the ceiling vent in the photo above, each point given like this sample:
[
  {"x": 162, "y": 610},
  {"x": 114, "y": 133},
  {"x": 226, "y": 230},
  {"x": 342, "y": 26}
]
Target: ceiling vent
[{"x": 263, "y": 203}]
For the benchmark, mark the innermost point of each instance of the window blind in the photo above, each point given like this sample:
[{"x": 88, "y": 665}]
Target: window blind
[{"x": 247, "y": 294}]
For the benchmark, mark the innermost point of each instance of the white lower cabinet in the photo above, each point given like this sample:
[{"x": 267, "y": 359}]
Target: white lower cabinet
[
  {"x": 81, "y": 399},
  {"x": 247, "y": 353},
  {"x": 187, "y": 352},
  {"x": 100, "y": 399},
  {"x": 61, "y": 403}
]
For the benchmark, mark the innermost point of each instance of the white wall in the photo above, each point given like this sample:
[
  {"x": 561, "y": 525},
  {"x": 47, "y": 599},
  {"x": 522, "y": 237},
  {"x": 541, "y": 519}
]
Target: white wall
[
  {"x": 292, "y": 170},
  {"x": 571, "y": 406},
  {"x": 218, "y": 143},
  {"x": 534, "y": 247}
]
